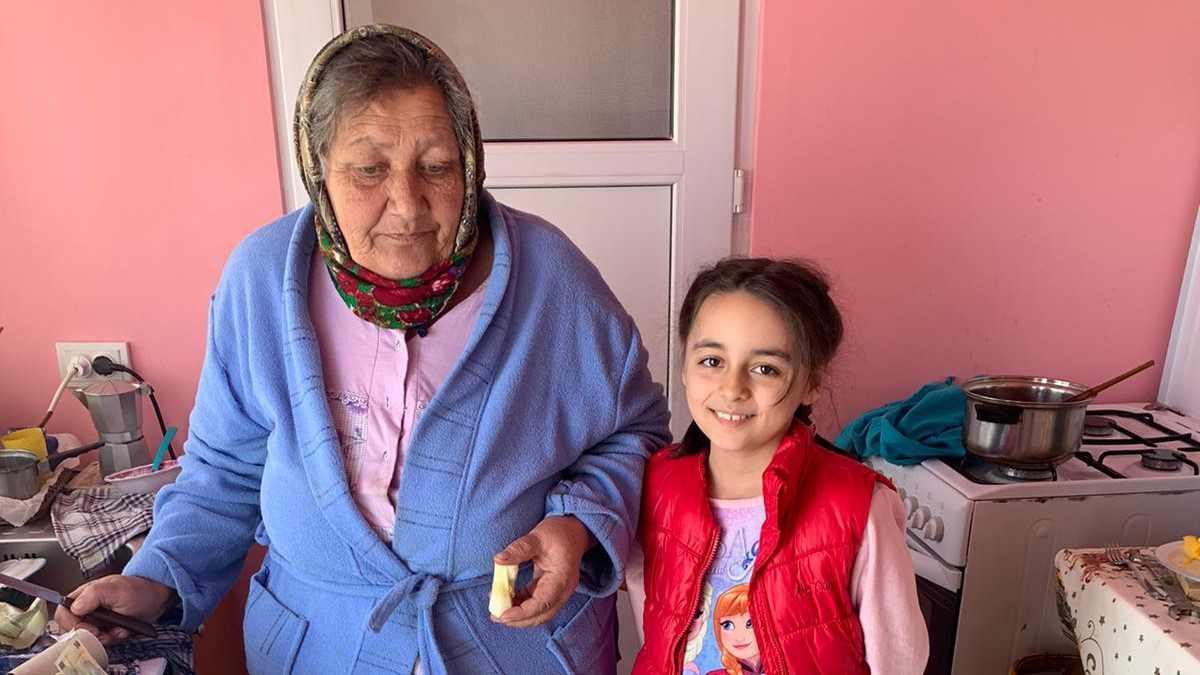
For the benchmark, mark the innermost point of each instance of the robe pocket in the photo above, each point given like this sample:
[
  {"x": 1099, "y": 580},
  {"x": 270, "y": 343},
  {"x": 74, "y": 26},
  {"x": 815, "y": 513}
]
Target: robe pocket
[
  {"x": 272, "y": 633},
  {"x": 370, "y": 664},
  {"x": 586, "y": 644}
]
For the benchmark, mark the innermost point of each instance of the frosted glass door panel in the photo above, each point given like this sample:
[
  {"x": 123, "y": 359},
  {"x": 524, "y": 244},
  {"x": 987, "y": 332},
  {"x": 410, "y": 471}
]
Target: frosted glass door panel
[
  {"x": 626, "y": 233},
  {"x": 552, "y": 70}
]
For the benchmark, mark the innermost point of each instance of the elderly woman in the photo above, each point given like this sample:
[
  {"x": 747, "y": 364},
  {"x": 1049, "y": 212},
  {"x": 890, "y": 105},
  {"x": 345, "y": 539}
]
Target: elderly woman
[{"x": 405, "y": 381}]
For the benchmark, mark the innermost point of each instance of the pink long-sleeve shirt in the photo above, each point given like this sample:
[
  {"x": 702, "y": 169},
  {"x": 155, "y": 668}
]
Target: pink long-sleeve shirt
[{"x": 378, "y": 382}]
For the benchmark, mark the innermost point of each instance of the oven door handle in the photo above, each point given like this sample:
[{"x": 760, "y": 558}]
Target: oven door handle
[{"x": 931, "y": 568}]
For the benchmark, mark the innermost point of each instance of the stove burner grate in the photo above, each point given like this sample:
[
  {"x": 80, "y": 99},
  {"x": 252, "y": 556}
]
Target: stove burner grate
[
  {"x": 1152, "y": 456},
  {"x": 1130, "y": 438}
]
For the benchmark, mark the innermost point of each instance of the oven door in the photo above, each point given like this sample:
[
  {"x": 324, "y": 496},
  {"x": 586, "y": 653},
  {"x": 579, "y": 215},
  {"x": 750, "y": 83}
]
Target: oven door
[{"x": 939, "y": 592}]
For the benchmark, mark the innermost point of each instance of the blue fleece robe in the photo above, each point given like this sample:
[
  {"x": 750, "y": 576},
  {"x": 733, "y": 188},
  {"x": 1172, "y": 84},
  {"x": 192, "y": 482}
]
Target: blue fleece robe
[{"x": 549, "y": 410}]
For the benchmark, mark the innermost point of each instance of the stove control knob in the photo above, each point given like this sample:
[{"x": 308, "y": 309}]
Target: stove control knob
[
  {"x": 919, "y": 517},
  {"x": 910, "y": 505},
  {"x": 933, "y": 530}
]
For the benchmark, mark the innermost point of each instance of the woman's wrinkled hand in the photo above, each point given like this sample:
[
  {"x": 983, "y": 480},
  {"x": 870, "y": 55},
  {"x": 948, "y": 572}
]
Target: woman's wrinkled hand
[
  {"x": 556, "y": 547},
  {"x": 132, "y": 596}
]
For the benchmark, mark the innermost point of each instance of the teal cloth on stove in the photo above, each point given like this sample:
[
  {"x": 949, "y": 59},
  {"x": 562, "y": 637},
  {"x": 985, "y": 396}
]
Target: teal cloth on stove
[{"x": 927, "y": 424}]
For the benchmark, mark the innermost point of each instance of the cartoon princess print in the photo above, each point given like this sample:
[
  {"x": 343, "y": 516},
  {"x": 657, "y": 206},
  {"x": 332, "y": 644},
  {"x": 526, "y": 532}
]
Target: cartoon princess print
[{"x": 735, "y": 633}]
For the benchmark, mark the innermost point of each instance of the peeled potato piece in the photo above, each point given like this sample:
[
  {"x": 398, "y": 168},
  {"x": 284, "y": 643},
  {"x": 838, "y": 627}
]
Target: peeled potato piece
[{"x": 504, "y": 581}]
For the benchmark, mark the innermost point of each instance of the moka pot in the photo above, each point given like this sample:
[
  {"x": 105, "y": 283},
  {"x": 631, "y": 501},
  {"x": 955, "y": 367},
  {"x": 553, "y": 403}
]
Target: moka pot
[{"x": 116, "y": 410}]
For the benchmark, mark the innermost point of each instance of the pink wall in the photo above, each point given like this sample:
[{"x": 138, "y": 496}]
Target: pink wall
[
  {"x": 136, "y": 148},
  {"x": 996, "y": 187}
]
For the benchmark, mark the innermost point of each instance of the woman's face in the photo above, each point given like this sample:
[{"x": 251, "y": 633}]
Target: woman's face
[
  {"x": 395, "y": 180},
  {"x": 737, "y": 636}
]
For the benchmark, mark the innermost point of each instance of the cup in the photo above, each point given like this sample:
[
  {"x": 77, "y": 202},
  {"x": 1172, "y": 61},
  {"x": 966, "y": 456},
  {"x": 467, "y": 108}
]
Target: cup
[
  {"x": 75, "y": 644},
  {"x": 30, "y": 440}
]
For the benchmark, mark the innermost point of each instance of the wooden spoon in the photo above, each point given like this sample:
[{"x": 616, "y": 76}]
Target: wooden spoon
[{"x": 1088, "y": 393}]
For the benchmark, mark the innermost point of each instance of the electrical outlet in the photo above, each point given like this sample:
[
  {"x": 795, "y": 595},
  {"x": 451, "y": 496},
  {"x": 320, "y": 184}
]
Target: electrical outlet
[{"x": 69, "y": 351}]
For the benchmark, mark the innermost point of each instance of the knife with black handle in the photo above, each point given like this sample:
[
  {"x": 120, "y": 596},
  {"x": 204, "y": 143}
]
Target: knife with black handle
[{"x": 102, "y": 617}]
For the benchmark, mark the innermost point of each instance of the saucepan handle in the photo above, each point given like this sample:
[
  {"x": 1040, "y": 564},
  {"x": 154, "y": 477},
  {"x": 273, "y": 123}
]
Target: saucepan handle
[
  {"x": 56, "y": 458},
  {"x": 997, "y": 414}
]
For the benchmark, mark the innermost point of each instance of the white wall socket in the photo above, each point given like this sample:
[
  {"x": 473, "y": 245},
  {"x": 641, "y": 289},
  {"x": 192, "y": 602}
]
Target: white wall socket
[{"x": 68, "y": 351}]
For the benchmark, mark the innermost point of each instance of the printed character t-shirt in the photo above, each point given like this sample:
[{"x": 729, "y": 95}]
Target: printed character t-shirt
[{"x": 722, "y": 634}]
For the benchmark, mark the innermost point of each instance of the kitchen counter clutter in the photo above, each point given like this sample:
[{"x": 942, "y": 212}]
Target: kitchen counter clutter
[
  {"x": 169, "y": 652},
  {"x": 1116, "y": 623},
  {"x": 80, "y": 528}
]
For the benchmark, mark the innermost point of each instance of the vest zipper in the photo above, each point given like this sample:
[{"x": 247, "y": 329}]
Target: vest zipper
[
  {"x": 768, "y": 657},
  {"x": 714, "y": 539},
  {"x": 763, "y": 628}
]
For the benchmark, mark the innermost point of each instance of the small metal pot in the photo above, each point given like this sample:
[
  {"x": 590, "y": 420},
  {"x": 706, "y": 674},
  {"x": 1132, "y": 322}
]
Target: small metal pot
[
  {"x": 18, "y": 474},
  {"x": 1021, "y": 421}
]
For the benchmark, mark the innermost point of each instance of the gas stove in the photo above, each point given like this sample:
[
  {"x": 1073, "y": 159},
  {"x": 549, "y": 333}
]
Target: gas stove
[
  {"x": 983, "y": 539},
  {"x": 1126, "y": 448}
]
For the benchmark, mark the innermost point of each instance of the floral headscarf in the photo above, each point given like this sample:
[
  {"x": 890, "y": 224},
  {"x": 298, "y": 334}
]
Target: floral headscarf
[{"x": 391, "y": 303}]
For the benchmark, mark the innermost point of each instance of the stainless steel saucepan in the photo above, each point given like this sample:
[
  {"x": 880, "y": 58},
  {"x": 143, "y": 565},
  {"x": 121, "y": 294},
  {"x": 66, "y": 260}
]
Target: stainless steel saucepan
[
  {"x": 1023, "y": 422},
  {"x": 18, "y": 474},
  {"x": 19, "y": 470}
]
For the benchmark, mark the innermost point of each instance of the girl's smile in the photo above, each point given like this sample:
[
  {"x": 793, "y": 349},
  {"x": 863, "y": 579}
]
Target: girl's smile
[{"x": 731, "y": 419}]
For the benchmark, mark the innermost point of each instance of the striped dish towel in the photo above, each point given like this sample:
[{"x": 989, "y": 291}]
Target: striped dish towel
[{"x": 92, "y": 525}]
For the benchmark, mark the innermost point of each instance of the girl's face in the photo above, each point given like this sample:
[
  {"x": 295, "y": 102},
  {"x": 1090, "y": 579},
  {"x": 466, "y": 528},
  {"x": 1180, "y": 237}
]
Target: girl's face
[
  {"x": 737, "y": 367},
  {"x": 737, "y": 636}
]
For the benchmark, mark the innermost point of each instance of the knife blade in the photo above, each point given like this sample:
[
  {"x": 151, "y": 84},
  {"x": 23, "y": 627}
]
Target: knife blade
[{"x": 102, "y": 617}]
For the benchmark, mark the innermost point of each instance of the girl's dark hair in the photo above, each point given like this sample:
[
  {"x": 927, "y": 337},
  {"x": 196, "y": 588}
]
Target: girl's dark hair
[{"x": 799, "y": 292}]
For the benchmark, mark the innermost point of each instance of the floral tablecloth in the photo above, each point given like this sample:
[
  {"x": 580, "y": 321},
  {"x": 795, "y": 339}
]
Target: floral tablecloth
[{"x": 1120, "y": 629}]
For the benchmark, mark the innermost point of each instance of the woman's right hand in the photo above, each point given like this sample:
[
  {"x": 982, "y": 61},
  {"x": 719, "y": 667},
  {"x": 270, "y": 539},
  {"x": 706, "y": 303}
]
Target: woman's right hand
[{"x": 132, "y": 596}]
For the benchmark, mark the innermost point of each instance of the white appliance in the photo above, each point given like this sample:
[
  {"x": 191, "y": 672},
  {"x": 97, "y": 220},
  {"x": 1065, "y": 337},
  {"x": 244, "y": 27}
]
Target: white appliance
[{"x": 983, "y": 542}]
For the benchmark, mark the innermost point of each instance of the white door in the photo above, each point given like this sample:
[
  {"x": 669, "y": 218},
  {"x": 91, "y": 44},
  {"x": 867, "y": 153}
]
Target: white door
[{"x": 649, "y": 204}]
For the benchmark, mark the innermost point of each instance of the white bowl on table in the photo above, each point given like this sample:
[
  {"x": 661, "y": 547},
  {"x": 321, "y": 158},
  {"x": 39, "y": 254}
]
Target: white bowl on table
[
  {"x": 1172, "y": 557},
  {"x": 140, "y": 480}
]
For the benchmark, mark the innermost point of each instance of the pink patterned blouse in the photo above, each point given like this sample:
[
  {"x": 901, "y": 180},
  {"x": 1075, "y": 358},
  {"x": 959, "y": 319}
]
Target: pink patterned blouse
[{"x": 378, "y": 382}]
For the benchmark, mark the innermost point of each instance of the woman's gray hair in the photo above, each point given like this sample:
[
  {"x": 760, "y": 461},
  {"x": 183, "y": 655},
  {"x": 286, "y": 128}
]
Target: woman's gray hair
[{"x": 369, "y": 67}]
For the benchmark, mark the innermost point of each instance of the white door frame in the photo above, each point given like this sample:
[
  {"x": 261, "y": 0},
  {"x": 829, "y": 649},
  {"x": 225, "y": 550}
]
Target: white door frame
[
  {"x": 1180, "y": 386},
  {"x": 751, "y": 28},
  {"x": 697, "y": 162}
]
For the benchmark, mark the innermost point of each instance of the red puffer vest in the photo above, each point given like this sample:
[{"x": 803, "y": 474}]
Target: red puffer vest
[{"x": 816, "y": 506}]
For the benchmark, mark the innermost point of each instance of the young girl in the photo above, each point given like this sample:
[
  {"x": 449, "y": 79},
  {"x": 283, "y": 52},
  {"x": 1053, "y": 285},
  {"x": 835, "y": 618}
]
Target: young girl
[{"x": 804, "y": 548}]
